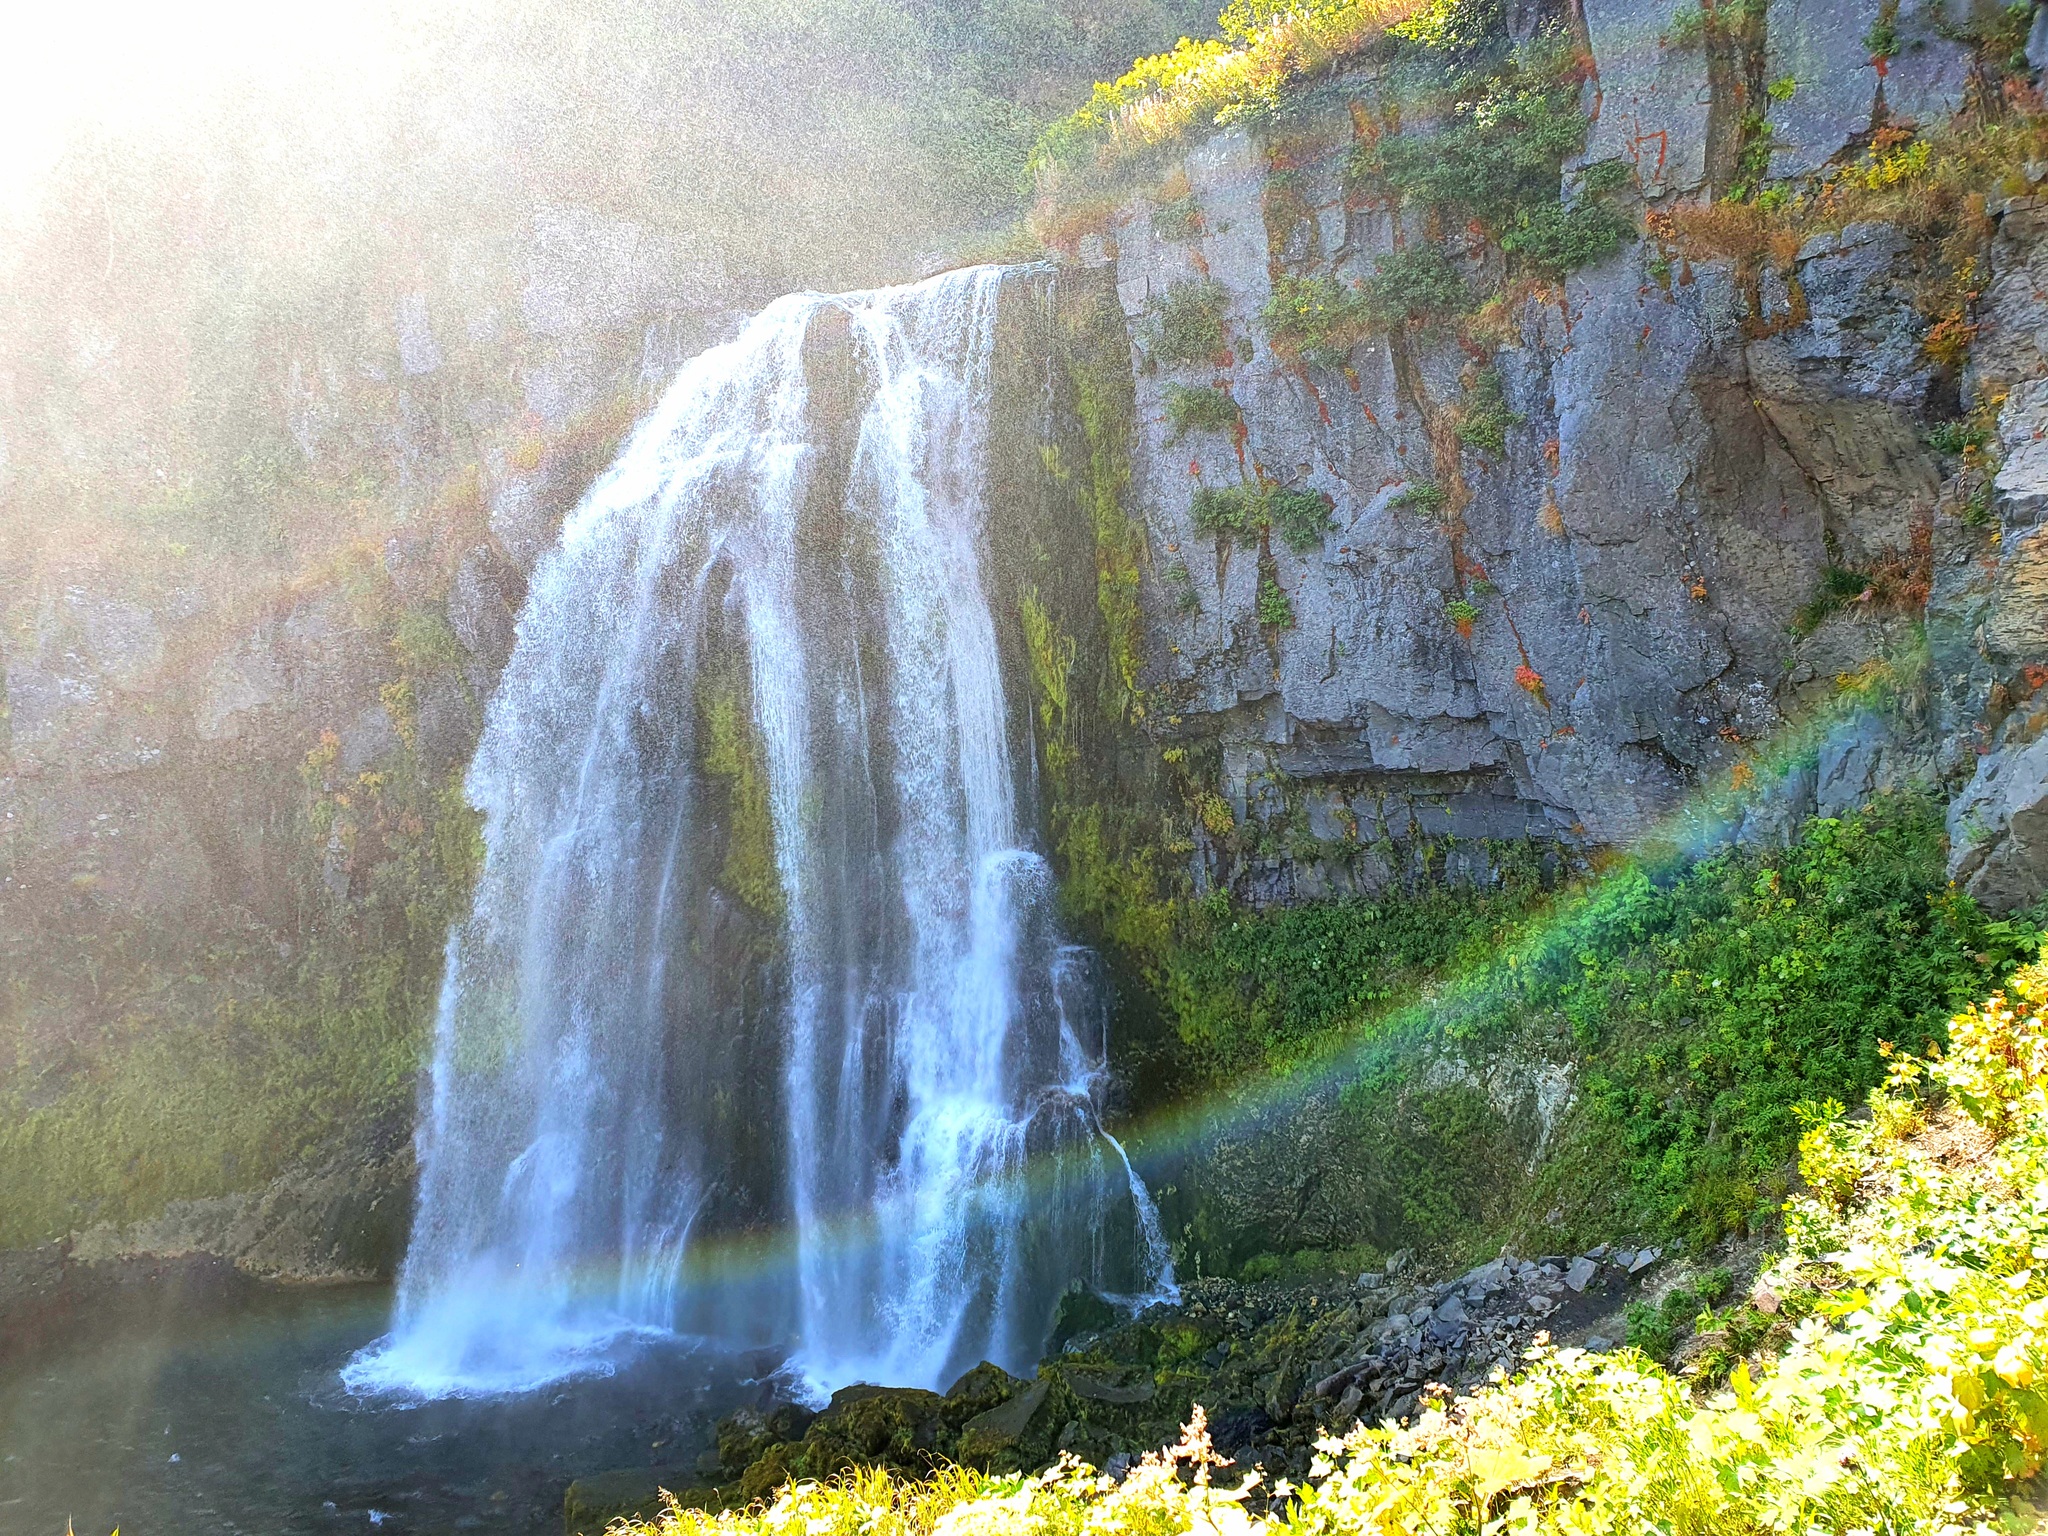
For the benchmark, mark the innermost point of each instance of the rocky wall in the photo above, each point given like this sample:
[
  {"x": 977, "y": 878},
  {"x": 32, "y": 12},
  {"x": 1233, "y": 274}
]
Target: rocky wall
[{"x": 1569, "y": 635}]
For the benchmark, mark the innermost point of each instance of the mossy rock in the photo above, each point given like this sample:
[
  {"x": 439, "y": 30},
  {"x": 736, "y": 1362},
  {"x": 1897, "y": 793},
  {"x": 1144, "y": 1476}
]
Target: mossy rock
[
  {"x": 1004, "y": 1437},
  {"x": 864, "y": 1426},
  {"x": 1081, "y": 1312},
  {"x": 777, "y": 1465},
  {"x": 986, "y": 1386},
  {"x": 633, "y": 1493},
  {"x": 743, "y": 1436}
]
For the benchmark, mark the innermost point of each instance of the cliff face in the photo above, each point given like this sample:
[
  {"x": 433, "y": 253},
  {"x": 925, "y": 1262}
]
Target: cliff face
[{"x": 1566, "y": 627}]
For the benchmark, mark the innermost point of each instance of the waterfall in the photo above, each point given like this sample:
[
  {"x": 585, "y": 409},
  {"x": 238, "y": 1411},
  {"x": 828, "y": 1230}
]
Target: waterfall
[{"x": 763, "y": 1026}]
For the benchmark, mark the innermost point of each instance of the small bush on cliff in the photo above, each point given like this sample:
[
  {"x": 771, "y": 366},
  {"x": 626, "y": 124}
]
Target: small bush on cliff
[
  {"x": 1199, "y": 410},
  {"x": 1415, "y": 285},
  {"x": 1485, "y": 418},
  {"x": 1317, "y": 319},
  {"x": 1500, "y": 152},
  {"x": 1249, "y": 513},
  {"x": 1187, "y": 324}
]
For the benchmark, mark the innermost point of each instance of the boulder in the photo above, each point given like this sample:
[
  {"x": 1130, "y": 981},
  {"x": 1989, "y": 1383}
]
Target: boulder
[
  {"x": 1080, "y": 1312},
  {"x": 1998, "y": 828},
  {"x": 999, "y": 1435},
  {"x": 986, "y": 1386}
]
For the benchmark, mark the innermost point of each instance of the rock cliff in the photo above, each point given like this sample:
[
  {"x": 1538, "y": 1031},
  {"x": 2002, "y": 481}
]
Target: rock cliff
[{"x": 1566, "y": 626}]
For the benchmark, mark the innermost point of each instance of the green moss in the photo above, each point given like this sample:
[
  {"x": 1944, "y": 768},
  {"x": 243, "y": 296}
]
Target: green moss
[
  {"x": 1104, "y": 407},
  {"x": 1051, "y": 653},
  {"x": 732, "y": 753}
]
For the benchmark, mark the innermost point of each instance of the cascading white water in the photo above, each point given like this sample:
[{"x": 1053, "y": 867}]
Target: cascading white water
[{"x": 871, "y": 1133}]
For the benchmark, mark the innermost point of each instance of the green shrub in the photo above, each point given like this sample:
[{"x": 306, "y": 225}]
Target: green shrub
[
  {"x": 1554, "y": 240},
  {"x": 1502, "y": 150},
  {"x": 1956, "y": 438},
  {"x": 1415, "y": 285},
  {"x": 1424, "y": 496},
  {"x": 1199, "y": 410},
  {"x": 1316, "y": 318},
  {"x": 1248, "y": 513},
  {"x": 1188, "y": 324},
  {"x": 1912, "y": 1397},
  {"x": 1708, "y": 1009},
  {"x": 1484, "y": 419}
]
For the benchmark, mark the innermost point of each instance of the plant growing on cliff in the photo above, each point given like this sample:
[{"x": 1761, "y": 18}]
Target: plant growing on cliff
[
  {"x": 1409, "y": 287},
  {"x": 1187, "y": 324},
  {"x": 1248, "y": 514},
  {"x": 1500, "y": 152},
  {"x": 1316, "y": 319},
  {"x": 1203, "y": 409},
  {"x": 1463, "y": 615},
  {"x": 1484, "y": 418},
  {"x": 1274, "y": 608},
  {"x": 1424, "y": 496}
]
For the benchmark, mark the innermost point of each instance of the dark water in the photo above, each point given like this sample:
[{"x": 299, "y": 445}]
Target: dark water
[{"x": 167, "y": 1422}]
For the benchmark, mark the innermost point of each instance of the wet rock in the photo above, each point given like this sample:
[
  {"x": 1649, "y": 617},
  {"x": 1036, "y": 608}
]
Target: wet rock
[
  {"x": 1080, "y": 1312},
  {"x": 995, "y": 1437}
]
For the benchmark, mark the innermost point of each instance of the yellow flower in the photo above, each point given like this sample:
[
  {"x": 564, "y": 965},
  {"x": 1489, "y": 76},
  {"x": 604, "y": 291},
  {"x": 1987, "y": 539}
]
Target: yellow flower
[{"x": 2013, "y": 1366}]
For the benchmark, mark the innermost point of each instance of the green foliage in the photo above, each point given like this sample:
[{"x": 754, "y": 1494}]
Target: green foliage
[
  {"x": 1971, "y": 434},
  {"x": 1199, "y": 410},
  {"x": 1461, "y": 613},
  {"x": 1911, "y": 1397},
  {"x": 1259, "y": 990},
  {"x": 1187, "y": 324},
  {"x": 1553, "y": 240},
  {"x": 1415, "y": 285},
  {"x": 1316, "y": 318},
  {"x": 1500, "y": 153},
  {"x": 1706, "y": 1010},
  {"x": 1249, "y": 513},
  {"x": 1201, "y": 83},
  {"x": 1484, "y": 419},
  {"x": 1424, "y": 496},
  {"x": 1688, "y": 28},
  {"x": 1274, "y": 608},
  {"x": 1839, "y": 587}
]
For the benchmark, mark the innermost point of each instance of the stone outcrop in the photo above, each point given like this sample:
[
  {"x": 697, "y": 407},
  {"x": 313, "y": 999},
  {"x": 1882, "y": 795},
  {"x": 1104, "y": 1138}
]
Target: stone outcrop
[{"x": 1563, "y": 640}]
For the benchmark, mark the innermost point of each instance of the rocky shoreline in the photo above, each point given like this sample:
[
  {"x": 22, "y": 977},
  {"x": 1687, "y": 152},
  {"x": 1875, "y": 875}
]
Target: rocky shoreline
[{"x": 1275, "y": 1366}]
